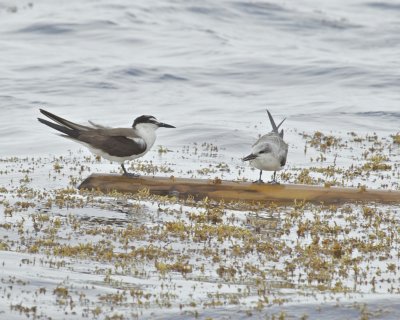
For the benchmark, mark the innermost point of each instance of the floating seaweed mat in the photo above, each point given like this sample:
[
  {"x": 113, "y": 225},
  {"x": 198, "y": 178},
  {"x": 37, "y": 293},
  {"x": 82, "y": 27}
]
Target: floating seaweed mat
[{"x": 236, "y": 190}]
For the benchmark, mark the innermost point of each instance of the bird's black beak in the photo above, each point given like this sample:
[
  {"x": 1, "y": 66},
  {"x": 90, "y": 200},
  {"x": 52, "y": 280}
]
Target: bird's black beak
[
  {"x": 164, "y": 125},
  {"x": 249, "y": 157}
]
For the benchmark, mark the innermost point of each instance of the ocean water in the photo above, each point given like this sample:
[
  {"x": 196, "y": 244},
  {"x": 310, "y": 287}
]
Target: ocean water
[{"x": 211, "y": 68}]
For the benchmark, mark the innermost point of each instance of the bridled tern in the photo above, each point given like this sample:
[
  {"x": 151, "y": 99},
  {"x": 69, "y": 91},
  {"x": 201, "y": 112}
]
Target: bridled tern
[{"x": 114, "y": 144}]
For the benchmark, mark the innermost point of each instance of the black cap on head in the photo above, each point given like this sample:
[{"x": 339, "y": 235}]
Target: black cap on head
[
  {"x": 150, "y": 119},
  {"x": 145, "y": 119}
]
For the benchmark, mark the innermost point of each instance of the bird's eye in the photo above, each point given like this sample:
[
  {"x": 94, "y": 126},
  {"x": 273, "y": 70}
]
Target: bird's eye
[{"x": 262, "y": 151}]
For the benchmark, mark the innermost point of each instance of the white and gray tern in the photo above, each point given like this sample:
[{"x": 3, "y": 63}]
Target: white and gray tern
[
  {"x": 269, "y": 153},
  {"x": 114, "y": 144}
]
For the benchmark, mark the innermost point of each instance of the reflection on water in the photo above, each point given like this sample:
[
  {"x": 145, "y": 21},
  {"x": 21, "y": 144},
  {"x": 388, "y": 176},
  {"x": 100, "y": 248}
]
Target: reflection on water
[{"x": 108, "y": 213}]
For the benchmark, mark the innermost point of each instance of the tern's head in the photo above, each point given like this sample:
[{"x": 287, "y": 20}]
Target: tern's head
[
  {"x": 149, "y": 122},
  {"x": 259, "y": 151}
]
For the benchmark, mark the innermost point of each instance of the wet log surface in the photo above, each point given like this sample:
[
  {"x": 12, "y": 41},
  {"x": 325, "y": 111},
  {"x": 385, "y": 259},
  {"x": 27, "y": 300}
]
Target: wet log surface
[{"x": 236, "y": 190}]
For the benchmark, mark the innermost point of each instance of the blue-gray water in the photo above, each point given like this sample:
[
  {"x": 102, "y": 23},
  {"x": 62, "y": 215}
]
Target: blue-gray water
[{"x": 209, "y": 67}]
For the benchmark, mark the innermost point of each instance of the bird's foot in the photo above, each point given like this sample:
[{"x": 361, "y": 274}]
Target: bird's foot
[
  {"x": 131, "y": 175},
  {"x": 259, "y": 181},
  {"x": 273, "y": 182}
]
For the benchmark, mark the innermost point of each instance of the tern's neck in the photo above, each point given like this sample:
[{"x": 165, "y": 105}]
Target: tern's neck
[{"x": 148, "y": 132}]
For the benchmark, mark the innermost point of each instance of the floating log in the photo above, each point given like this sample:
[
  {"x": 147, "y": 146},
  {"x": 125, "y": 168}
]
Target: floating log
[{"x": 236, "y": 190}]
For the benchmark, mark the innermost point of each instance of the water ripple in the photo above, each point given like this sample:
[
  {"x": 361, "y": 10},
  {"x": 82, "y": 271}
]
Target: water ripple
[
  {"x": 259, "y": 8},
  {"x": 48, "y": 28},
  {"x": 384, "y": 5},
  {"x": 219, "y": 63},
  {"x": 172, "y": 77},
  {"x": 63, "y": 28}
]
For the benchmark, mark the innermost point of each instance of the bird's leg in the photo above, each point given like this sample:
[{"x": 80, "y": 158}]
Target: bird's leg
[
  {"x": 123, "y": 168},
  {"x": 259, "y": 179},
  {"x": 127, "y": 174},
  {"x": 273, "y": 181}
]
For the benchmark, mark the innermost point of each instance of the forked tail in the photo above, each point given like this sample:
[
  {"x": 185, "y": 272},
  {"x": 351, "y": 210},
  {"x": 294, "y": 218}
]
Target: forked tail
[
  {"x": 66, "y": 127},
  {"x": 67, "y": 131},
  {"x": 64, "y": 122},
  {"x": 275, "y": 127}
]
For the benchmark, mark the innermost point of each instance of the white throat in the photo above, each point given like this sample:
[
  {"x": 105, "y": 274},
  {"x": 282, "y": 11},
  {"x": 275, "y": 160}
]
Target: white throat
[{"x": 148, "y": 133}]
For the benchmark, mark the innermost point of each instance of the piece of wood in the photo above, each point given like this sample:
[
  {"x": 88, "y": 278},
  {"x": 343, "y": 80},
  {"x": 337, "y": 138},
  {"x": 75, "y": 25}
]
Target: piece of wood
[{"x": 232, "y": 190}]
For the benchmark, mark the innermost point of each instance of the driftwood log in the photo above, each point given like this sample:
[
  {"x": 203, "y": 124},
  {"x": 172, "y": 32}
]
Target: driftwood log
[{"x": 230, "y": 190}]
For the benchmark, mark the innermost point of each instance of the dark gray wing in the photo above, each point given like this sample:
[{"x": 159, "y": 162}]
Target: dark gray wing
[
  {"x": 283, "y": 147},
  {"x": 97, "y": 126},
  {"x": 118, "y": 146},
  {"x": 282, "y": 160}
]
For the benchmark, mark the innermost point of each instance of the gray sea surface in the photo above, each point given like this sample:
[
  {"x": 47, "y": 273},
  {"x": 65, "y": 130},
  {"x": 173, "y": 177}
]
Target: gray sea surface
[{"x": 211, "y": 68}]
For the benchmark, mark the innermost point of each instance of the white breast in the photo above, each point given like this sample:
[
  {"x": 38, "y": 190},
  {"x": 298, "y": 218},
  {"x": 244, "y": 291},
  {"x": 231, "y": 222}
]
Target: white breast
[
  {"x": 266, "y": 162},
  {"x": 147, "y": 131}
]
